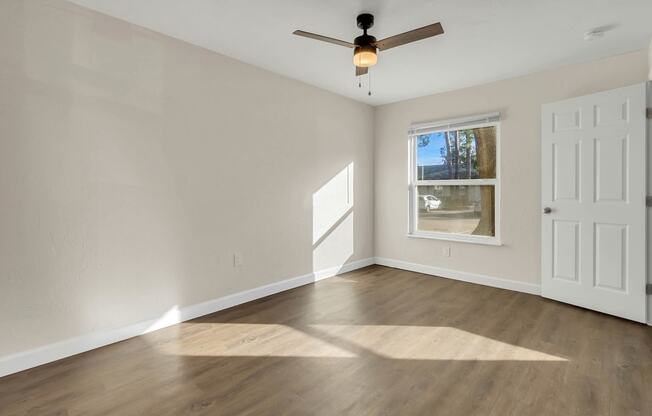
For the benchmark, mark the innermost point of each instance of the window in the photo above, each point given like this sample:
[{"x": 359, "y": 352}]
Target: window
[{"x": 454, "y": 182}]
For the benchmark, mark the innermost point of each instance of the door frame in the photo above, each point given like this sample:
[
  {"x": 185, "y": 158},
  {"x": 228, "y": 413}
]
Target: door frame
[{"x": 649, "y": 193}]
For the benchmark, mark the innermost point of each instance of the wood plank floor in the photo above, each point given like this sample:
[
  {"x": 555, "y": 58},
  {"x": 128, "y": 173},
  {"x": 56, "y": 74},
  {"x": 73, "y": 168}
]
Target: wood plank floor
[{"x": 377, "y": 341}]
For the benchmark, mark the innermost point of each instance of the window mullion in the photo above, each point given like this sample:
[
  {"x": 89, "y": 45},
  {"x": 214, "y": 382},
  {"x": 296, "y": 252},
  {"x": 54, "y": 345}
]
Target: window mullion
[{"x": 456, "y": 182}]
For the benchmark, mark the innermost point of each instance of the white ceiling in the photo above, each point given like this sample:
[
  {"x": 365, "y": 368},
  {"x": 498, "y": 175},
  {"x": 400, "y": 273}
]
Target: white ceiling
[{"x": 485, "y": 40}]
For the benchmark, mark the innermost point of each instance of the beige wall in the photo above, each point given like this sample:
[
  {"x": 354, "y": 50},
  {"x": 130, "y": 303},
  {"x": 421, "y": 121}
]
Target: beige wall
[
  {"x": 133, "y": 165},
  {"x": 519, "y": 102}
]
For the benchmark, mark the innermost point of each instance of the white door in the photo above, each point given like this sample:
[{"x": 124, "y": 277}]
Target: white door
[{"x": 593, "y": 202}]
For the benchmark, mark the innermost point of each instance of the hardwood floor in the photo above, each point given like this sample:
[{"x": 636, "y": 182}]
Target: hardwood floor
[{"x": 377, "y": 341}]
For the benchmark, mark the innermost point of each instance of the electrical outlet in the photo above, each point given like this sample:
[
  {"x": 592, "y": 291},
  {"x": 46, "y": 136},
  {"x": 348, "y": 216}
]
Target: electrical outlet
[
  {"x": 446, "y": 251},
  {"x": 238, "y": 259}
]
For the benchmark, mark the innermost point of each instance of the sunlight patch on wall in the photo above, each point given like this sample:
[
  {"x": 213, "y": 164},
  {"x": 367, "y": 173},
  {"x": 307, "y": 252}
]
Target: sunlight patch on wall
[
  {"x": 171, "y": 317},
  {"x": 336, "y": 248},
  {"x": 331, "y": 202},
  {"x": 332, "y": 221}
]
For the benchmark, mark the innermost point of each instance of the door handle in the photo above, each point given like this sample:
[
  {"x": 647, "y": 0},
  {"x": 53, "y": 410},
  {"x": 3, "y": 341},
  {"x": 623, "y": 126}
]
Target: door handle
[{"x": 547, "y": 210}]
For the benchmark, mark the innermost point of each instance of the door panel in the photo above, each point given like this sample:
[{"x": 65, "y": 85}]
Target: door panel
[
  {"x": 610, "y": 257},
  {"x": 566, "y": 237},
  {"x": 566, "y": 161},
  {"x": 566, "y": 119},
  {"x": 594, "y": 182},
  {"x": 611, "y": 156},
  {"x": 611, "y": 113}
]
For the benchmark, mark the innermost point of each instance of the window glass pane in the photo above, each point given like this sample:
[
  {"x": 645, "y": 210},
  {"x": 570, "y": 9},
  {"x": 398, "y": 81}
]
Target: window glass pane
[
  {"x": 457, "y": 154},
  {"x": 456, "y": 209}
]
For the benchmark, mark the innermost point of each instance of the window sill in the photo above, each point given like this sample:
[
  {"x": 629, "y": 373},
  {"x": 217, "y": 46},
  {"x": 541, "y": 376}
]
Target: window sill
[{"x": 472, "y": 239}]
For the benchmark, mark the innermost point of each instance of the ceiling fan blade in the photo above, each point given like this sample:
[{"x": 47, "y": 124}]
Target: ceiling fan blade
[
  {"x": 323, "y": 38},
  {"x": 411, "y": 36},
  {"x": 361, "y": 70}
]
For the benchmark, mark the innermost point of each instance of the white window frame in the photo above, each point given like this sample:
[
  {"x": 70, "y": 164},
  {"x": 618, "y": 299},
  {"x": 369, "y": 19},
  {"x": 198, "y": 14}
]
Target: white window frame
[{"x": 487, "y": 120}]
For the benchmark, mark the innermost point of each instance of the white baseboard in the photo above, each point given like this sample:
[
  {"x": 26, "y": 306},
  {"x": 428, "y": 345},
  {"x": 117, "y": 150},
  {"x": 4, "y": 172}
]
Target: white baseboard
[
  {"x": 52, "y": 352},
  {"x": 530, "y": 288}
]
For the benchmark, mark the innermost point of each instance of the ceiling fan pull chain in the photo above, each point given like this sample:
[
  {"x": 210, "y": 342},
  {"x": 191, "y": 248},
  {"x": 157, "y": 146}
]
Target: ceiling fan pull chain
[{"x": 369, "y": 81}]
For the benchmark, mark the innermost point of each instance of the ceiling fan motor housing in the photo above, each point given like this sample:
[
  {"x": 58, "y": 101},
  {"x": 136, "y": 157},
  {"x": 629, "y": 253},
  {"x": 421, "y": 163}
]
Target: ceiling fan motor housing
[{"x": 364, "y": 40}]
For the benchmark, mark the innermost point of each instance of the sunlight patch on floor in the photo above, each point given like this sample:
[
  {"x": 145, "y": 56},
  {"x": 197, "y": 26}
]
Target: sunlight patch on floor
[
  {"x": 397, "y": 342},
  {"x": 251, "y": 340},
  {"x": 430, "y": 343}
]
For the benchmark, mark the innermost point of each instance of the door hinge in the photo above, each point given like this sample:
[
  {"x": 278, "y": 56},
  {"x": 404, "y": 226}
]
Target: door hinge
[
  {"x": 648, "y": 201},
  {"x": 648, "y": 113},
  {"x": 648, "y": 288}
]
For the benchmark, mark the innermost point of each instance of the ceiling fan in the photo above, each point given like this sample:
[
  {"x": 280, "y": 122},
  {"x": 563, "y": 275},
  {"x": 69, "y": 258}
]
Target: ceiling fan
[{"x": 365, "y": 47}]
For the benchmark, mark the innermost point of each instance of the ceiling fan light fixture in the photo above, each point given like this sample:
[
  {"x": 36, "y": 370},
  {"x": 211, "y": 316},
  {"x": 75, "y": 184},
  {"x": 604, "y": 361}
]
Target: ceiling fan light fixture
[{"x": 365, "y": 56}]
